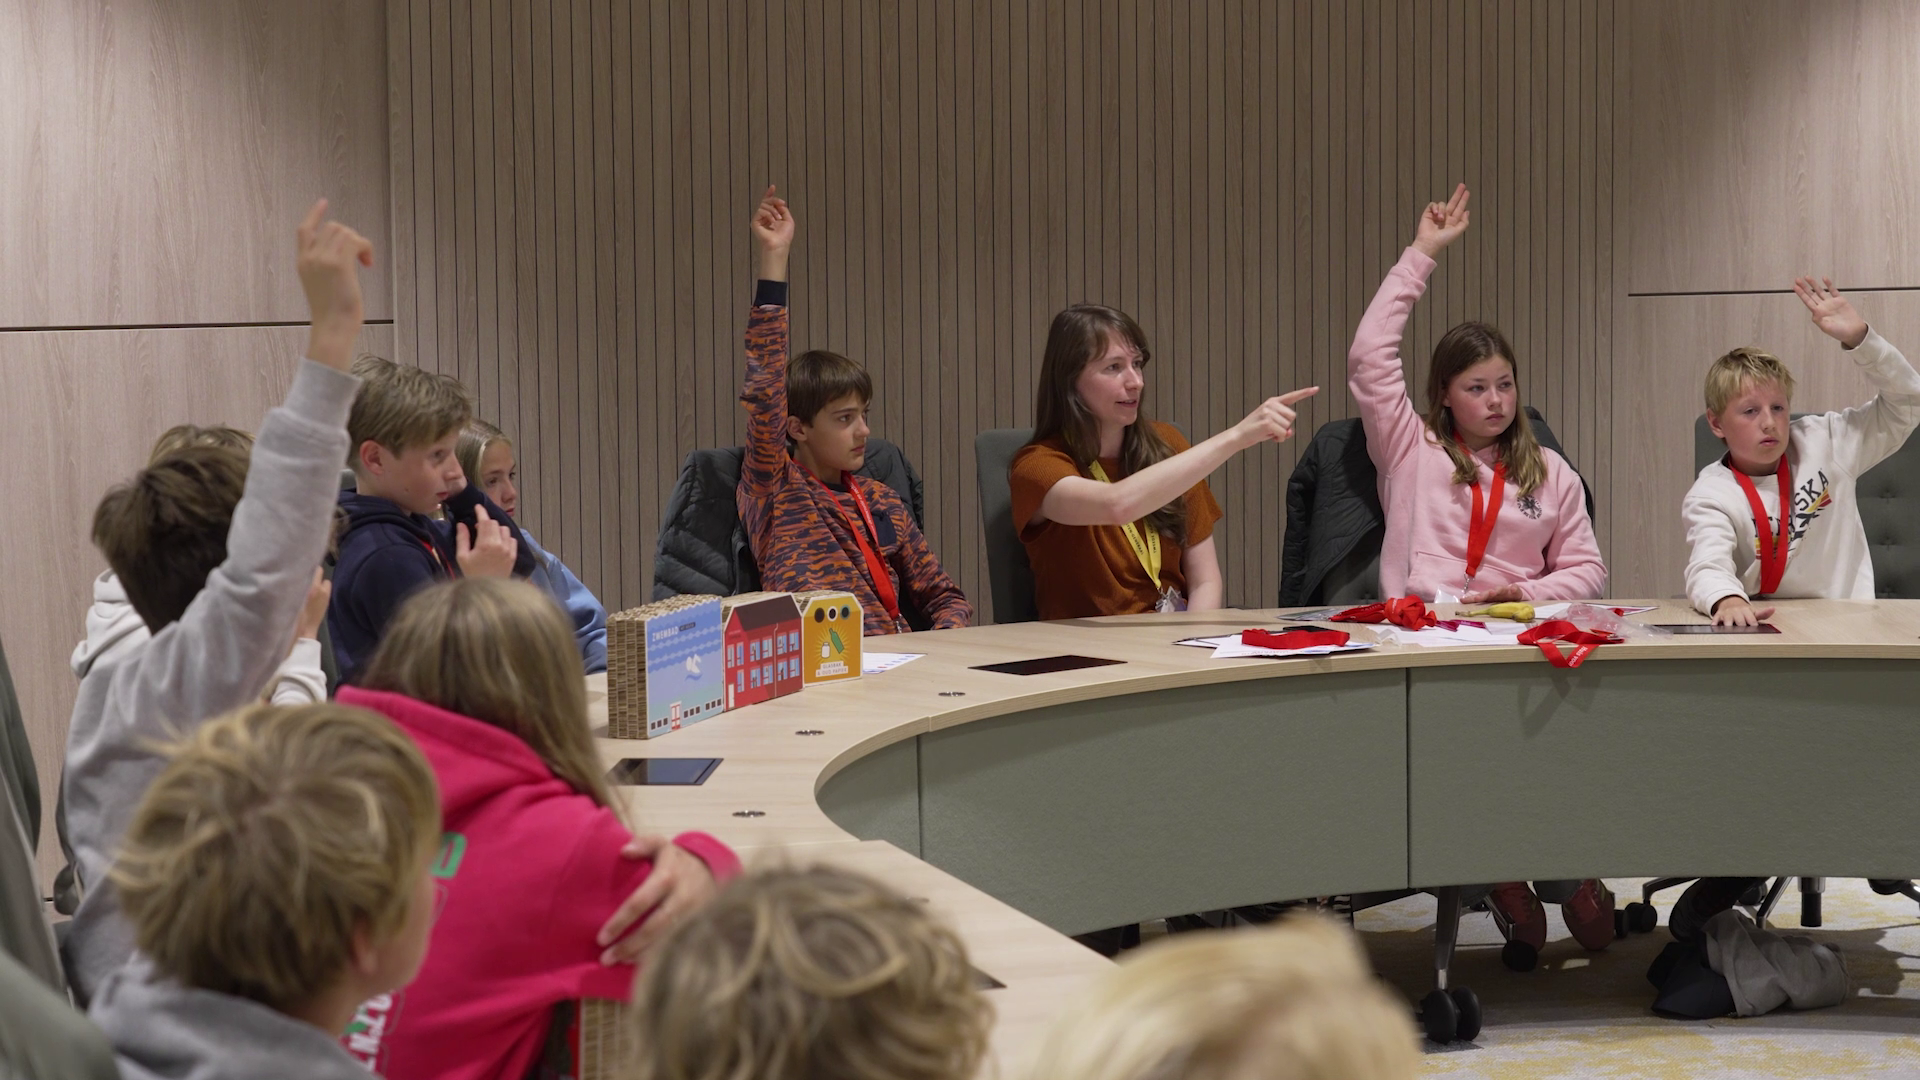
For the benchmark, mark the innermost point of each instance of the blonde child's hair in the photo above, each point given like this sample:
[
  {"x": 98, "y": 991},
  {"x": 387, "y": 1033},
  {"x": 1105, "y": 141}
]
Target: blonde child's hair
[
  {"x": 1292, "y": 1001},
  {"x": 403, "y": 407},
  {"x": 791, "y": 974},
  {"x": 474, "y": 441},
  {"x": 181, "y": 436},
  {"x": 1740, "y": 369},
  {"x": 270, "y": 838},
  {"x": 500, "y": 651}
]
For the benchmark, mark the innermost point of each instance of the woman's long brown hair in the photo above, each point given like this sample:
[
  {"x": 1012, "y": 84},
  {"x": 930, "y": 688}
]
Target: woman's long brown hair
[
  {"x": 1079, "y": 336},
  {"x": 1464, "y": 346},
  {"x": 500, "y": 651}
]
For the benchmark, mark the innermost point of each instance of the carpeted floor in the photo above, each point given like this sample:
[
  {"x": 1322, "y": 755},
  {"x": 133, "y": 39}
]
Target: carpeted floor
[{"x": 1582, "y": 1014}]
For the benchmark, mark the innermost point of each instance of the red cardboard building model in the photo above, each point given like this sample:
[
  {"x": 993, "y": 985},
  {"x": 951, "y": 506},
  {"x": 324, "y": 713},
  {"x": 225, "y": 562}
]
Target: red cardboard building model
[{"x": 762, "y": 636}]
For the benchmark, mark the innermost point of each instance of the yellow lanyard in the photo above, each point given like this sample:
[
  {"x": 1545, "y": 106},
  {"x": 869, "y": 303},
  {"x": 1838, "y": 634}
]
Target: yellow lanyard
[{"x": 1148, "y": 550}]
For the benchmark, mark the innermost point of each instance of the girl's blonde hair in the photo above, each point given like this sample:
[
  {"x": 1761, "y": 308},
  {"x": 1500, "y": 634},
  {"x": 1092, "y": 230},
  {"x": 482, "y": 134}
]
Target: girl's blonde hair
[
  {"x": 497, "y": 650},
  {"x": 796, "y": 974},
  {"x": 1293, "y": 1001},
  {"x": 472, "y": 445},
  {"x": 1462, "y": 347}
]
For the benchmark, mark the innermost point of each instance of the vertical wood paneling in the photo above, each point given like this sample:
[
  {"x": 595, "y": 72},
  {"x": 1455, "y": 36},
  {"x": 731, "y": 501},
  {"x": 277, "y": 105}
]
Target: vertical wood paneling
[{"x": 961, "y": 171}]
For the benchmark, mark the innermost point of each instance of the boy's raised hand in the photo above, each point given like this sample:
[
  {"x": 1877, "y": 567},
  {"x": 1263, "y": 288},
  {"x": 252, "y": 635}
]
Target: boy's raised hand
[
  {"x": 328, "y": 254},
  {"x": 1442, "y": 223},
  {"x": 1832, "y": 313},
  {"x": 773, "y": 228},
  {"x": 490, "y": 549}
]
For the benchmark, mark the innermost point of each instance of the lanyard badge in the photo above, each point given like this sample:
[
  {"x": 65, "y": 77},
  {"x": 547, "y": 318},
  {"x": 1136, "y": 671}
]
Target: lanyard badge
[
  {"x": 876, "y": 566},
  {"x": 1147, "y": 549},
  {"x": 1773, "y": 550}
]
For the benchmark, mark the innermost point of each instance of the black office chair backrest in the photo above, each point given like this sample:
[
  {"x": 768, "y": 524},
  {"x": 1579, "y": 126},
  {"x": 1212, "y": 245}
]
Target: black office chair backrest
[
  {"x": 1354, "y": 576},
  {"x": 702, "y": 548},
  {"x": 1009, "y": 575},
  {"x": 1889, "y": 498}
]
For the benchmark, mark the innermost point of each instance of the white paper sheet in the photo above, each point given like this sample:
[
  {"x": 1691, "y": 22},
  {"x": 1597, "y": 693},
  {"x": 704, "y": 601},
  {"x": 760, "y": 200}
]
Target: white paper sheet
[
  {"x": 1498, "y": 632},
  {"x": 873, "y": 663}
]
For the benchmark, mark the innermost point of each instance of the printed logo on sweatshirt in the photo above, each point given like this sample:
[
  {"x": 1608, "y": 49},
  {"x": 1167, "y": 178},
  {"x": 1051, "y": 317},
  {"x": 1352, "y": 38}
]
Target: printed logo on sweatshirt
[
  {"x": 1811, "y": 498},
  {"x": 453, "y": 849},
  {"x": 363, "y": 1038},
  {"x": 1529, "y": 506}
]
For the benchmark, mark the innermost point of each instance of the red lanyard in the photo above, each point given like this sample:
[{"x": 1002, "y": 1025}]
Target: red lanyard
[
  {"x": 1584, "y": 642},
  {"x": 1485, "y": 512},
  {"x": 876, "y": 566},
  {"x": 1773, "y": 553},
  {"x": 1293, "y": 639}
]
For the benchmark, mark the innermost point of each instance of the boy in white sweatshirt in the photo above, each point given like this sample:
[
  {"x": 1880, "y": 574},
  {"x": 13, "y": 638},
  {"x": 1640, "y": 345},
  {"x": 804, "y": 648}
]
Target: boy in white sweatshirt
[
  {"x": 1809, "y": 464},
  {"x": 1741, "y": 546}
]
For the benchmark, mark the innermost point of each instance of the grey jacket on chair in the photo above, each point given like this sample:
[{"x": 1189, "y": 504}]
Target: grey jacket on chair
[
  {"x": 703, "y": 549},
  {"x": 16, "y": 757},
  {"x": 1331, "y": 552}
]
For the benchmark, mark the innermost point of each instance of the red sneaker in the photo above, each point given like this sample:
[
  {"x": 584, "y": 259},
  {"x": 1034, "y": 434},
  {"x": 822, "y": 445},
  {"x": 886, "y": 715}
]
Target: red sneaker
[
  {"x": 1589, "y": 914},
  {"x": 1526, "y": 920}
]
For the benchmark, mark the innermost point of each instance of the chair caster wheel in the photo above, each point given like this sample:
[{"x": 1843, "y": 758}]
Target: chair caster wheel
[
  {"x": 1519, "y": 956},
  {"x": 1468, "y": 1007},
  {"x": 1439, "y": 1016},
  {"x": 1642, "y": 918}
]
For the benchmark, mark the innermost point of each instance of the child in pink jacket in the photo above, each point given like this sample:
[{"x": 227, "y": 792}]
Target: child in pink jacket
[
  {"x": 1476, "y": 510},
  {"x": 484, "y": 674},
  {"x": 1473, "y": 447}
]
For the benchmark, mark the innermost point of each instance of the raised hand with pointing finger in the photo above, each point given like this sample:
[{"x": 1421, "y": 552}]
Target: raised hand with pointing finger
[{"x": 330, "y": 257}]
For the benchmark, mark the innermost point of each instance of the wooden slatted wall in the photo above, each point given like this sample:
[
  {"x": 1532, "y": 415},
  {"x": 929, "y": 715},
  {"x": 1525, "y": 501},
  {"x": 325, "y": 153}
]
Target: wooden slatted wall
[{"x": 572, "y": 180}]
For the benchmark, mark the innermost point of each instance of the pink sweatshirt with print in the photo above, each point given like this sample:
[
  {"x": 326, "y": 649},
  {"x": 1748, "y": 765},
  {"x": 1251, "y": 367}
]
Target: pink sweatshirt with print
[{"x": 1541, "y": 541}]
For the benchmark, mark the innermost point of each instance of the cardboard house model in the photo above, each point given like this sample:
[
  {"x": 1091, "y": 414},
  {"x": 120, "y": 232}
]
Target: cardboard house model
[
  {"x": 762, "y": 632},
  {"x": 665, "y": 667},
  {"x": 830, "y": 631}
]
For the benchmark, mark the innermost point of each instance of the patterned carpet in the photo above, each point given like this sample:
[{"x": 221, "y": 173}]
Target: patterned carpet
[{"x": 1582, "y": 1014}]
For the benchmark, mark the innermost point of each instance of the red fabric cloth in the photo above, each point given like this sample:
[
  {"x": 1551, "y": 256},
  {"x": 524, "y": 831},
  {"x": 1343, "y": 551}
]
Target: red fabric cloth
[
  {"x": 1293, "y": 639},
  {"x": 1584, "y": 642},
  {"x": 529, "y": 871}
]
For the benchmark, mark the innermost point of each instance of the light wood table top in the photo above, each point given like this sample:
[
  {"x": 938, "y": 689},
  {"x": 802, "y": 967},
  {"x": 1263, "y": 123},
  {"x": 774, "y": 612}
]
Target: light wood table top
[
  {"x": 777, "y": 755},
  {"x": 770, "y": 768}
]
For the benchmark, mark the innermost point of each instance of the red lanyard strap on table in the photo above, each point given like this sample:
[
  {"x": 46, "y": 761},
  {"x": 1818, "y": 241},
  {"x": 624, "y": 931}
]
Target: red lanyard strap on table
[
  {"x": 876, "y": 566},
  {"x": 1773, "y": 552},
  {"x": 1486, "y": 510},
  {"x": 1584, "y": 642},
  {"x": 1408, "y": 611},
  {"x": 1293, "y": 639}
]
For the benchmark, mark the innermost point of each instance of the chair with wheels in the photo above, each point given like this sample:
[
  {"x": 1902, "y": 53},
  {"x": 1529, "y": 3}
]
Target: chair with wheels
[
  {"x": 1889, "y": 499},
  {"x": 1331, "y": 556}
]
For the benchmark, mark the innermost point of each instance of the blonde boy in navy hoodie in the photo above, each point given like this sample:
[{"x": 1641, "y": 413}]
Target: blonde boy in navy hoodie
[{"x": 404, "y": 426}]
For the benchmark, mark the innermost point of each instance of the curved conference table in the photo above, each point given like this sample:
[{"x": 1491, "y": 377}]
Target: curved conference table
[{"x": 1032, "y": 807}]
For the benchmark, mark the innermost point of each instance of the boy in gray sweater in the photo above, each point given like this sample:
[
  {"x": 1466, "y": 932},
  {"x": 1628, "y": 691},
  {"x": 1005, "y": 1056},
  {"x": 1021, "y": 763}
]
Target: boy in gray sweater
[
  {"x": 276, "y": 881},
  {"x": 216, "y": 556}
]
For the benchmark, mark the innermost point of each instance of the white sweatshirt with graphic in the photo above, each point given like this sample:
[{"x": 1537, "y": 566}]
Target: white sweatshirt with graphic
[{"x": 1827, "y": 548}]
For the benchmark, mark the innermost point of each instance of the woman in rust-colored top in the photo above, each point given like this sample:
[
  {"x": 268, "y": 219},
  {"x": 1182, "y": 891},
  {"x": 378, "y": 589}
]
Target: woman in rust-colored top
[{"x": 1114, "y": 508}]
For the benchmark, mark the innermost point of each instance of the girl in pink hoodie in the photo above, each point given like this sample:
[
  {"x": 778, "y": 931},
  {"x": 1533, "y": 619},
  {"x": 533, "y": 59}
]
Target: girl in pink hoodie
[
  {"x": 536, "y": 870},
  {"x": 1476, "y": 510}
]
